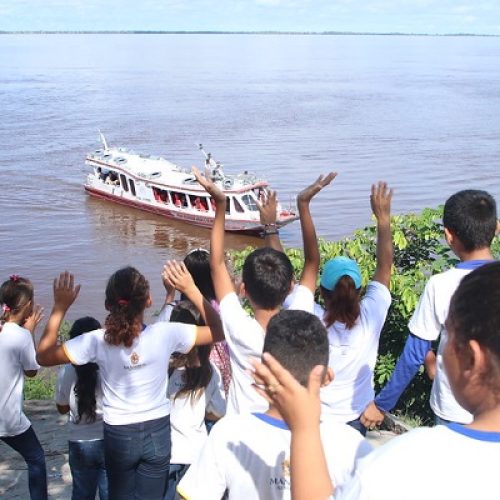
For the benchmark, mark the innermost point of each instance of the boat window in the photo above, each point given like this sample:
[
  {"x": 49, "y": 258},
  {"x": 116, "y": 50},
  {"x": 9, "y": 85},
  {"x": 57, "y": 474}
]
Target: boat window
[
  {"x": 198, "y": 203},
  {"x": 249, "y": 202},
  {"x": 179, "y": 199},
  {"x": 124, "y": 182},
  {"x": 132, "y": 186},
  {"x": 237, "y": 206}
]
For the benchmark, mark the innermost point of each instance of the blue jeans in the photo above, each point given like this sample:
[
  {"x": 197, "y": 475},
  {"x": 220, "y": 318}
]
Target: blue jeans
[
  {"x": 175, "y": 474},
  {"x": 29, "y": 447},
  {"x": 137, "y": 459},
  {"x": 86, "y": 461}
]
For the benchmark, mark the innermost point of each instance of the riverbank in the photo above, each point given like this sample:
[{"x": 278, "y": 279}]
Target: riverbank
[{"x": 51, "y": 430}]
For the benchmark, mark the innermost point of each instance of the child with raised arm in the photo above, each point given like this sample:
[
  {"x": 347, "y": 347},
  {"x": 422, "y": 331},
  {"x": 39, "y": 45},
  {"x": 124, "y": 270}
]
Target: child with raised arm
[
  {"x": 249, "y": 454},
  {"x": 133, "y": 366},
  {"x": 470, "y": 222},
  {"x": 354, "y": 321},
  {"x": 18, "y": 320},
  {"x": 266, "y": 281}
]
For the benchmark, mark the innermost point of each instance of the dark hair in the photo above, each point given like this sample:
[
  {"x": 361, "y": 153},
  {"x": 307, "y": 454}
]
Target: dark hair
[
  {"x": 475, "y": 312},
  {"x": 196, "y": 363},
  {"x": 127, "y": 294},
  {"x": 472, "y": 216},
  {"x": 299, "y": 341},
  {"x": 86, "y": 375},
  {"x": 15, "y": 293},
  {"x": 342, "y": 303},
  {"x": 198, "y": 264},
  {"x": 267, "y": 275}
]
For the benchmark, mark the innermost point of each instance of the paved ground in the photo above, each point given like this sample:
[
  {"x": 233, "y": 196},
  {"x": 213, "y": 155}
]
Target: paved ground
[{"x": 51, "y": 430}]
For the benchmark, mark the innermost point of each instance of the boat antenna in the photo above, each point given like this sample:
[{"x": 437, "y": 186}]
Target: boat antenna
[{"x": 103, "y": 139}]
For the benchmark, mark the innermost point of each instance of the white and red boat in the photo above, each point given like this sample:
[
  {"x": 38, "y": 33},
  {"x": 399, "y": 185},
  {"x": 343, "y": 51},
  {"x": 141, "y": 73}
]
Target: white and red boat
[{"x": 156, "y": 185}]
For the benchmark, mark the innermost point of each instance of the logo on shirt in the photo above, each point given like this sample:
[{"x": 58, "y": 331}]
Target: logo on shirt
[
  {"x": 134, "y": 358},
  {"x": 285, "y": 466},
  {"x": 282, "y": 482}
]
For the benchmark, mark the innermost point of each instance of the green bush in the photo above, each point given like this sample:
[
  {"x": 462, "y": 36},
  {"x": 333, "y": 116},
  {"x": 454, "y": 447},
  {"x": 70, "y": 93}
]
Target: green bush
[
  {"x": 40, "y": 387},
  {"x": 419, "y": 252}
]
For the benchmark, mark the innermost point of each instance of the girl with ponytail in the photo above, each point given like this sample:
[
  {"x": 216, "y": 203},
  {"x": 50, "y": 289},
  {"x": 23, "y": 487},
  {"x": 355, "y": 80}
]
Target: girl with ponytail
[
  {"x": 78, "y": 392},
  {"x": 18, "y": 320},
  {"x": 133, "y": 368}
]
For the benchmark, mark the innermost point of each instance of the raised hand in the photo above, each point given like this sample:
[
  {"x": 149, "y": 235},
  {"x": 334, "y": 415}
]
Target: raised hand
[
  {"x": 212, "y": 189},
  {"x": 298, "y": 405},
  {"x": 307, "y": 194},
  {"x": 176, "y": 275},
  {"x": 34, "y": 319},
  {"x": 380, "y": 200},
  {"x": 65, "y": 291},
  {"x": 268, "y": 205},
  {"x": 372, "y": 416}
]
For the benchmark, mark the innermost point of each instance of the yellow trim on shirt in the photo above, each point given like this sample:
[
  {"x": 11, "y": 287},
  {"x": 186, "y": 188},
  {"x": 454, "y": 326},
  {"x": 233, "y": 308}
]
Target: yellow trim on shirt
[
  {"x": 67, "y": 354},
  {"x": 182, "y": 493}
]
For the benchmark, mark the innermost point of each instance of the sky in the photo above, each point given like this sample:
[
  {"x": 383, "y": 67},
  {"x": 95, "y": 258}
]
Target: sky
[{"x": 374, "y": 16}]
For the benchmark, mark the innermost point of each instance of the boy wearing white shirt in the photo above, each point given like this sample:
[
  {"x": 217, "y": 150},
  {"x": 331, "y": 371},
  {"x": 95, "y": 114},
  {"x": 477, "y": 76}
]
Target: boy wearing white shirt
[
  {"x": 470, "y": 222},
  {"x": 266, "y": 281},
  {"x": 249, "y": 455}
]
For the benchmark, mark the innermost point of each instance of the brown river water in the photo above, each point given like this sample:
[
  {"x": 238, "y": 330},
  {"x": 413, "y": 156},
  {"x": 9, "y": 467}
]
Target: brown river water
[{"x": 419, "y": 112}]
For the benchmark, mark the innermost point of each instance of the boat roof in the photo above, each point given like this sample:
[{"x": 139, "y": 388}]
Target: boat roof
[{"x": 158, "y": 170}]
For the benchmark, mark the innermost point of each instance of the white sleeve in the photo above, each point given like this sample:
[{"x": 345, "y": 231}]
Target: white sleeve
[
  {"x": 301, "y": 299},
  {"x": 28, "y": 354},
  {"x": 375, "y": 305},
  {"x": 82, "y": 349},
  {"x": 64, "y": 383},
  {"x": 165, "y": 313},
  {"x": 215, "y": 396},
  {"x": 183, "y": 336},
  {"x": 206, "y": 478},
  {"x": 425, "y": 323}
]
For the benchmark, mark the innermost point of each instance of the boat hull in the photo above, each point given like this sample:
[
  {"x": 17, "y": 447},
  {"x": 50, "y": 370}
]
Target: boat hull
[{"x": 188, "y": 217}]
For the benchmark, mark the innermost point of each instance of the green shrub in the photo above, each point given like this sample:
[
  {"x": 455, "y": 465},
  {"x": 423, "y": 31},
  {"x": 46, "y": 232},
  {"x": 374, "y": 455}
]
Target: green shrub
[
  {"x": 419, "y": 252},
  {"x": 40, "y": 387}
]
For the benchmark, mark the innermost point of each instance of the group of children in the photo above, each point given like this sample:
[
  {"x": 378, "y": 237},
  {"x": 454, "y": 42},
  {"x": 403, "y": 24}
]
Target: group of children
[{"x": 142, "y": 399}]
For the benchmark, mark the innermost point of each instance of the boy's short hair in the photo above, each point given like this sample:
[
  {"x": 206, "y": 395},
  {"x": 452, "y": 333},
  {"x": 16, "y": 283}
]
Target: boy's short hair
[
  {"x": 472, "y": 216},
  {"x": 299, "y": 341},
  {"x": 267, "y": 275}
]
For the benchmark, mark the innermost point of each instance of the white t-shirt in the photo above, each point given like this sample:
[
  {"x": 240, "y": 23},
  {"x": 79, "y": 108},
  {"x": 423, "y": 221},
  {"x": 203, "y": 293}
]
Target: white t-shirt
[
  {"x": 245, "y": 339},
  {"x": 134, "y": 379},
  {"x": 17, "y": 354},
  {"x": 79, "y": 429},
  {"x": 442, "y": 462},
  {"x": 187, "y": 415},
  {"x": 250, "y": 456},
  {"x": 428, "y": 323},
  {"x": 353, "y": 354}
]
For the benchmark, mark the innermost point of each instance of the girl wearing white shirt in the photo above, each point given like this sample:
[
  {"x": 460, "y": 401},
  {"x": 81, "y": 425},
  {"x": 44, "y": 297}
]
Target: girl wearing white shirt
[
  {"x": 195, "y": 389},
  {"x": 18, "y": 319},
  {"x": 354, "y": 323},
  {"x": 133, "y": 366},
  {"x": 78, "y": 392}
]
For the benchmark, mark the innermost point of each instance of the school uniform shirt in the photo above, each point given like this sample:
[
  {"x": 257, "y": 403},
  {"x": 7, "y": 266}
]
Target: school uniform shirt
[
  {"x": 442, "y": 462},
  {"x": 353, "y": 354},
  {"x": 428, "y": 323},
  {"x": 134, "y": 379},
  {"x": 17, "y": 354},
  {"x": 80, "y": 429},
  {"x": 249, "y": 455},
  {"x": 187, "y": 415},
  {"x": 245, "y": 340}
]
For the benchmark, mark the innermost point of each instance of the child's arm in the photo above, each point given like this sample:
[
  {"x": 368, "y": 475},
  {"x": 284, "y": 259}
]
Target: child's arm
[
  {"x": 430, "y": 364},
  {"x": 223, "y": 284},
  {"x": 380, "y": 201},
  {"x": 310, "y": 241},
  {"x": 301, "y": 409},
  {"x": 65, "y": 293},
  {"x": 168, "y": 305},
  {"x": 30, "y": 324},
  {"x": 177, "y": 275},
  {"x": 268, "y": 214}
]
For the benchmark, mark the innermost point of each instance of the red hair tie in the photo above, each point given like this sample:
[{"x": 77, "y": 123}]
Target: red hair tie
[
  {"x": 6, "y": 308},
  {"x": 123, "y": 302},
  {"x": 14, "y": 278}
]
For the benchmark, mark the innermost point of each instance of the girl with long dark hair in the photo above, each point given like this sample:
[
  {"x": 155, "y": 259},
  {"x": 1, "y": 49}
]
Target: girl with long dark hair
[{"x": 78, "y": 392}]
